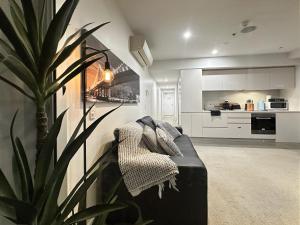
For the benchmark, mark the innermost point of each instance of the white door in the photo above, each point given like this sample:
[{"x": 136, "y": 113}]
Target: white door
[{"x": 168, "y": 106}]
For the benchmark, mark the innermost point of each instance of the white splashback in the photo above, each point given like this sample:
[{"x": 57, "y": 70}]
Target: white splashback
[{"x": 240, "y": 97}]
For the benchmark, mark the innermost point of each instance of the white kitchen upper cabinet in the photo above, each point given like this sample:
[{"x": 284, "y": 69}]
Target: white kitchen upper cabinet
[
  {"x": 251, "y": 79},
  {"x": 191, "y": 91},
  {"x": 212, "y": 82},
  {"x": 234, "y": 82},
  {"x": 282, "y": 78},
  {"x": 258, "y": 79}
]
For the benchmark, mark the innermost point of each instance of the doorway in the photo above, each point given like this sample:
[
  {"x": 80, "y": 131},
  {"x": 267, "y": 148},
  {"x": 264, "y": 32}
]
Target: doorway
[{"x": 168, "y": 106}]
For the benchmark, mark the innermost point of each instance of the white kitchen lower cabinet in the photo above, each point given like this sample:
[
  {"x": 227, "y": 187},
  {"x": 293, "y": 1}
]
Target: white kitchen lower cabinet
[
  {"x": 238, "y": 125},
  {"x": 215, "y": 132},
  {"x": 239, "y": 130},
  {"x": 214, "y": 121},
  {"x": 288, "y": 127},
  {"x": 186, "y": 123},
  {"x": 197, "y": 124},
  {"x": 232, "y": 131}
]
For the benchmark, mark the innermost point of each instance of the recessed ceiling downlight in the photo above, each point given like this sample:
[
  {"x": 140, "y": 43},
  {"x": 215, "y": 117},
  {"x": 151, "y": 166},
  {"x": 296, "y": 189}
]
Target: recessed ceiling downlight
[
  {"x": 187, "y": 35},
  {"x": 215, "y": 51}
]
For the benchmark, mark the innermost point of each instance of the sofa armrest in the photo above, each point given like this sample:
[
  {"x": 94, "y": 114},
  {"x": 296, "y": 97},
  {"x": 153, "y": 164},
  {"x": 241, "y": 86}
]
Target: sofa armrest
[{"x": 179, "y": 129}]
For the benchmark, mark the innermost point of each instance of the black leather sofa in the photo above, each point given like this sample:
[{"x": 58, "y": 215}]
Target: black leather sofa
[{"x": 186, "y": 207}]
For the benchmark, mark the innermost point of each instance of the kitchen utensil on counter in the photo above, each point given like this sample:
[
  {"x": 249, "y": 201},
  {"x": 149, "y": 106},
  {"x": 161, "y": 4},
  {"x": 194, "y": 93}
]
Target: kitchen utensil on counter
[
  {"x": 225, "y": 105},
  {"x": 235, "y": 106},
  {"x": 215, "y": 113},
  {"x": 249, "y": 106},
  {"x": 268, "y": 97},
  {"x": 261, "y": 105}
]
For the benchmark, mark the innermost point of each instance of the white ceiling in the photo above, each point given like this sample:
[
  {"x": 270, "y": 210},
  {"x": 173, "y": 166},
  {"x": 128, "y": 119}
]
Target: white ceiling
[{"x": 212, "y": 23}]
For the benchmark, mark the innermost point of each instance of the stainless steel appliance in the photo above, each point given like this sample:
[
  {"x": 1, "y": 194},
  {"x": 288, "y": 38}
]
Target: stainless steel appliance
[
  {"x": 276, "y": 104},
  {"x": 263, "y": 123}
]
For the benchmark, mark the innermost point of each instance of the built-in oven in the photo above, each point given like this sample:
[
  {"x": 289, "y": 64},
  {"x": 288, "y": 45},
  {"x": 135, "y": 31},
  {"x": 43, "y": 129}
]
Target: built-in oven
[{"x": 263, "y": 123}]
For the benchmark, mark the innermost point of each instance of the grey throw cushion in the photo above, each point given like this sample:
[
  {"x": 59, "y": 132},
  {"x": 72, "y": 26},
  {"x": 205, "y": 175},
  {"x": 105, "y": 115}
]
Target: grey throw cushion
[
  {"x": 147, "y": 120},
  {"x": 150, "y": 140},
  {"x": 168, "y": 128},
  {"x": 165, "y": 140}
]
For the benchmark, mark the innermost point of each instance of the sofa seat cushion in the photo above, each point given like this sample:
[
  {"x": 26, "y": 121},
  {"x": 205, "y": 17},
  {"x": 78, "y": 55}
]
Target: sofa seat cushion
[{"x": 186, "y": 146}]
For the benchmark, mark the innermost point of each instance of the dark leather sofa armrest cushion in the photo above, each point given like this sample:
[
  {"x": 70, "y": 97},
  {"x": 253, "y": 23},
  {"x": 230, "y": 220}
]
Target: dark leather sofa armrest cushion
[{"x": 179, "y": 129}]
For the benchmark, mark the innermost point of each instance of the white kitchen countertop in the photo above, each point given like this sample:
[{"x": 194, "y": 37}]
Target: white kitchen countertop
[{"x": 255, "y": 111}]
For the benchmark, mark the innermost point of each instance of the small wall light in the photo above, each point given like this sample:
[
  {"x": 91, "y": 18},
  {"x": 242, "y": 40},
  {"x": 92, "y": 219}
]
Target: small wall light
[{"x": 108, "y": 73}]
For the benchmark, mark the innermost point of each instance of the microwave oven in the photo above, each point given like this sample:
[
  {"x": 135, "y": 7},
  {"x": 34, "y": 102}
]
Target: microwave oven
[{"x": 277, "y": 105}]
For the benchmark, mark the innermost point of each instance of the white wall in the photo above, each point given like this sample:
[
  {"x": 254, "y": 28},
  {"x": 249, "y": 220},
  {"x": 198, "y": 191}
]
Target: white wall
[
  {"x": 293, "y": 95},
  {"x": 116, "y": 37}
]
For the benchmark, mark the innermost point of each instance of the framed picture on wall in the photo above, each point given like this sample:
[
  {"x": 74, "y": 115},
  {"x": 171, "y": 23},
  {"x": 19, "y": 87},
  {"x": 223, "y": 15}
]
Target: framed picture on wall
[{"x": 123, "y": 87}]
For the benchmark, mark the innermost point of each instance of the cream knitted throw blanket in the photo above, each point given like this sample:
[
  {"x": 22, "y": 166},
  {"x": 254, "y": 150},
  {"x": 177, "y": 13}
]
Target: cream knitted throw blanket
[{"x": 142, "y": 169}]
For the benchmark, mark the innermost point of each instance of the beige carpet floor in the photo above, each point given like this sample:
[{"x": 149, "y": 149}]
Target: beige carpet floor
[{"x": 252, "y": 186}]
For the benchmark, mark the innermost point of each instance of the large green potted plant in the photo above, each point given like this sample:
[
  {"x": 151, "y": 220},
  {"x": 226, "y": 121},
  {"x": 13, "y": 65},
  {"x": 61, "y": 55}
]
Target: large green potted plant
[{"x": 31, "y": 54}]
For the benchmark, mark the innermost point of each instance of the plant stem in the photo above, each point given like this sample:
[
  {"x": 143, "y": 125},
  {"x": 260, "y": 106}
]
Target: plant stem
[{"x": 42, "y": 126}]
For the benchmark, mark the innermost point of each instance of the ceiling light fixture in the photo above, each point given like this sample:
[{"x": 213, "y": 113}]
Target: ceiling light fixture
[
  {"x": 214, "y": 52},
  {"x": 187, "y": 35}
]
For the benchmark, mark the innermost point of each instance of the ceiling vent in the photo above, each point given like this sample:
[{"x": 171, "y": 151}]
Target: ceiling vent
[
  {"x": 140, "y": 49},
  {"x": 247, "y": 28}
]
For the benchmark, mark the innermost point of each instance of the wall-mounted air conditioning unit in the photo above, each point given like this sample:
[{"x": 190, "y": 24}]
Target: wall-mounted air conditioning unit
[{"x": 140, "y": 49}]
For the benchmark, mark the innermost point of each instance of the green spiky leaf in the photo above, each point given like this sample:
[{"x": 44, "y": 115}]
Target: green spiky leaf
[
  {"x": 17, "y": 88},
  {"x": 31, "y": 25},
  {"x": 66, "y": 52},
  {"x": 56, "y": 86},
  {"x": 78, "y": 63},
  {"x": 9, "y": 31},
  {"x": 22, "y": 165},
  {"x": 92, "y": 212},
  {"x": 55, "y": 31},
  {"x": 20, "y": 211},
  {"x": 17, "y": 67},
  {"x": 66, "y": 156},
  {"x": 45, "y": 156},
  {"x": 5, "y": 188},
  {"x": 81, "y": 192}
]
